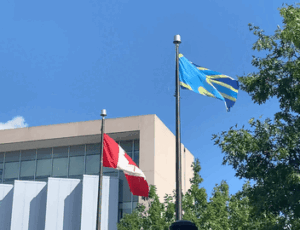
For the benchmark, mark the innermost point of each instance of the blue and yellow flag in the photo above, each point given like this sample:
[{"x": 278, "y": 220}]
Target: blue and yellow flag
[{"x": 207, "y": 82}]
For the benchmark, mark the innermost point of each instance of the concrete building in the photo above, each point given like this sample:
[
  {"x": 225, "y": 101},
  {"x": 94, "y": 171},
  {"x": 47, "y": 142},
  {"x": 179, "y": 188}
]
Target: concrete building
[{"x": 71, "y": 150}]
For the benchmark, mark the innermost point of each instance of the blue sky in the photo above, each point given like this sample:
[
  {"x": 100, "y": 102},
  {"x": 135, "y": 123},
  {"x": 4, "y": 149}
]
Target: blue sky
[{"x": 64, "y": 61}]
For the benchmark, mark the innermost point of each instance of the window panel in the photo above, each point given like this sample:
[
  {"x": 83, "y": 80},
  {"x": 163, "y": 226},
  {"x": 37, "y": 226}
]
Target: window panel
[
  {"x": 92, "y": 164},
  {"x": 125, "y": 195},
  {"x": 136, "y": 145},
  {"x": 43, "y": 167},
  {"x": 114, "y": 174},
  {"x": 27, "y": 178},
  {"x": 124, "y": 208},
  {"x": 1, "y": 172},
  {"x": 77, "y": 177},
  {"x": 60, "y": 151},
  {"x": 134, "y": 205},
  {"x": 127, "y": 146},
  {"x": 44, "y": 153},
  {"x": 11, "y": 170},
  {"x": 76, "y": 165},
  {"x": 42, "y": 179},
  {"x": 27, "y": 168},
  {"x": 93, "y": 149},
  {"x": 9, "y": 181},
  {"x": 1, "y": 157},
  {"x": 28, "y": 154},
  {"x": 136, "y": 158},
  {"x": 12, "y": 156},
  {"x": 109, "y": 170},
  {"x": 60, "y": 167},
  {"x": 77, "y": 150}
]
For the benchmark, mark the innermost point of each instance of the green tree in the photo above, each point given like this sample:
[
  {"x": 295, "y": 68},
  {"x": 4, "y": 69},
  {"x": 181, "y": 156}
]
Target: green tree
[
  {"x": 269, "y": 153},
  {"x": 220, "y": 212},
  {"x": 216, "y": 215},
  {"x": 195, "y": 200},
  {"x": 160, "y": 216},
  {"x": 154, "y": 216},
  {"x": 243, "y": 217}
]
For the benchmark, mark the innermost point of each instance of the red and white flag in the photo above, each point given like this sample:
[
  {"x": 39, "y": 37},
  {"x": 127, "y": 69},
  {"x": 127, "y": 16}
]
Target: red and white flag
[{"x": 115, "y": 157}]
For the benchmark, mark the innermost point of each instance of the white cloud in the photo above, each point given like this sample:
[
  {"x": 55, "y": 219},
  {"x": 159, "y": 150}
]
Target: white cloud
[{"x": 16, "y": 122}]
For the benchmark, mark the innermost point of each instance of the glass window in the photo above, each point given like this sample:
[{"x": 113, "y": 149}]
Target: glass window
[
  {"x": 60, "y": 167},
  {"x": 76, "y": 165},
  {"x": 1, "y": 157},
  {"x": 124, "y": 208},
  {"x": 60, "y": 151},
  {"x": 77, "y": 150},
  {"x": 1, "y": 166},
  {"x": 127, "y": 146},
  {"x": 136, "y": 145},
  {"x": 77, "y": 177},
  {"x": 93, "y": 149},
  {"x": 1, "y": 172},
  {"x": 28, "y": 154},
  {"x": 125, "y": 195},
  {"x": 9, "y": 181},
  {"x": 11, "y": 170},
  {"x": 43, "y": 167},
  {"x": 44, "y": 153},
  {"x": 12, "y": 156},
  {"x": 92, "y": 164},
  {"x": 27, "y": 168},
  {"x": 136, "y": 157},
  {"x": 42, "y": 179},
  {"x": 134, "y": 205},
  {"x": 110, "y": 172}
]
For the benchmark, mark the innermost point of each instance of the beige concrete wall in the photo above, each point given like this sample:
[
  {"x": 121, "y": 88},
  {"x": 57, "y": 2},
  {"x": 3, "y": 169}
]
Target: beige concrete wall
[
  {"x": 73, "y": 129},
  {"x": 165, "y": 164},
  {"x": 187, "y": 172},
  {"x": 146, "y": 127}
]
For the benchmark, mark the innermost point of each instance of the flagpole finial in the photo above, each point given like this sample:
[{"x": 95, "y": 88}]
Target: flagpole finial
[
  {"x": 103, "y": 113},
  {"x": 177, "y": 39}
]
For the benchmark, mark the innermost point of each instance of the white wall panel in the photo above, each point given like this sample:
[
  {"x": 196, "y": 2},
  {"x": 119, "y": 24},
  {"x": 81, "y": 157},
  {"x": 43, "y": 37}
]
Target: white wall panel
[
  {"x": 6, "y": 198},
  {"x": 63, "y": 204},
  {"x": 113, "y": 202},
  {"x": 89, "y": 202},
  {"x": 109, "y": 210},
  {"x": 29, "y": 205}
]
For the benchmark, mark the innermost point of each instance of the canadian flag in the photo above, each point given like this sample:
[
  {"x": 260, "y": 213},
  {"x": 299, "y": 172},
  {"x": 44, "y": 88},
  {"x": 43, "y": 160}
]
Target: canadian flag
[{"x": 115, "y": 157}]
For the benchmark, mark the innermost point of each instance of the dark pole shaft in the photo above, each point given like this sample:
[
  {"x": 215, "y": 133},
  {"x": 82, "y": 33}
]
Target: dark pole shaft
[
  {"x": 178, "y": 141},
  {"x": 98, "y": 225}
]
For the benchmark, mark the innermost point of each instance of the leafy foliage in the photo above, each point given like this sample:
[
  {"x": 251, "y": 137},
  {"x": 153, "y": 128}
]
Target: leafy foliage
[
  {"x": 157, "y": 215},
  {"x": 221, "y": 212},
  {"x": 269, "y": 153}
]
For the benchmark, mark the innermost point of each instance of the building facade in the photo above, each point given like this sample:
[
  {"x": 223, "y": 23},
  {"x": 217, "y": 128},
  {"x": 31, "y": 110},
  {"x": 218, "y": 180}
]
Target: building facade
[{"x": 72, "y": 150}]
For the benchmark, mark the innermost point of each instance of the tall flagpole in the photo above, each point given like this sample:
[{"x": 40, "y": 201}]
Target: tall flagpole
[
  {"x": 177, "y": 41},
  {"x": 98, "y": 225},
  {"x": 179, "y": 224}
]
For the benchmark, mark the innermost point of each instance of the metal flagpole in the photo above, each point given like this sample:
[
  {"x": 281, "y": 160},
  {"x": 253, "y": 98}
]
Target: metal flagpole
[
  {"x": 98, "y": 225},
  {"x": 177, "y": 41},
  {"x": 179, "y": 224}
]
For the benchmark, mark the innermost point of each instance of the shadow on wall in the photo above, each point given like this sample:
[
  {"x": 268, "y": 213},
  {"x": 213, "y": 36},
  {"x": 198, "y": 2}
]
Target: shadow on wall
[
  {"x": 72, "y": 209},
  {"x": 6, "y": 210},
  {"x": 37, "y": 212}
]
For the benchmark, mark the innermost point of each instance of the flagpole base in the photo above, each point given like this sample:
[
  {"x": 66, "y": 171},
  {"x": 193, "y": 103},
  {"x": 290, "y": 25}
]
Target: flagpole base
[{"x": 183, "y": 225}]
